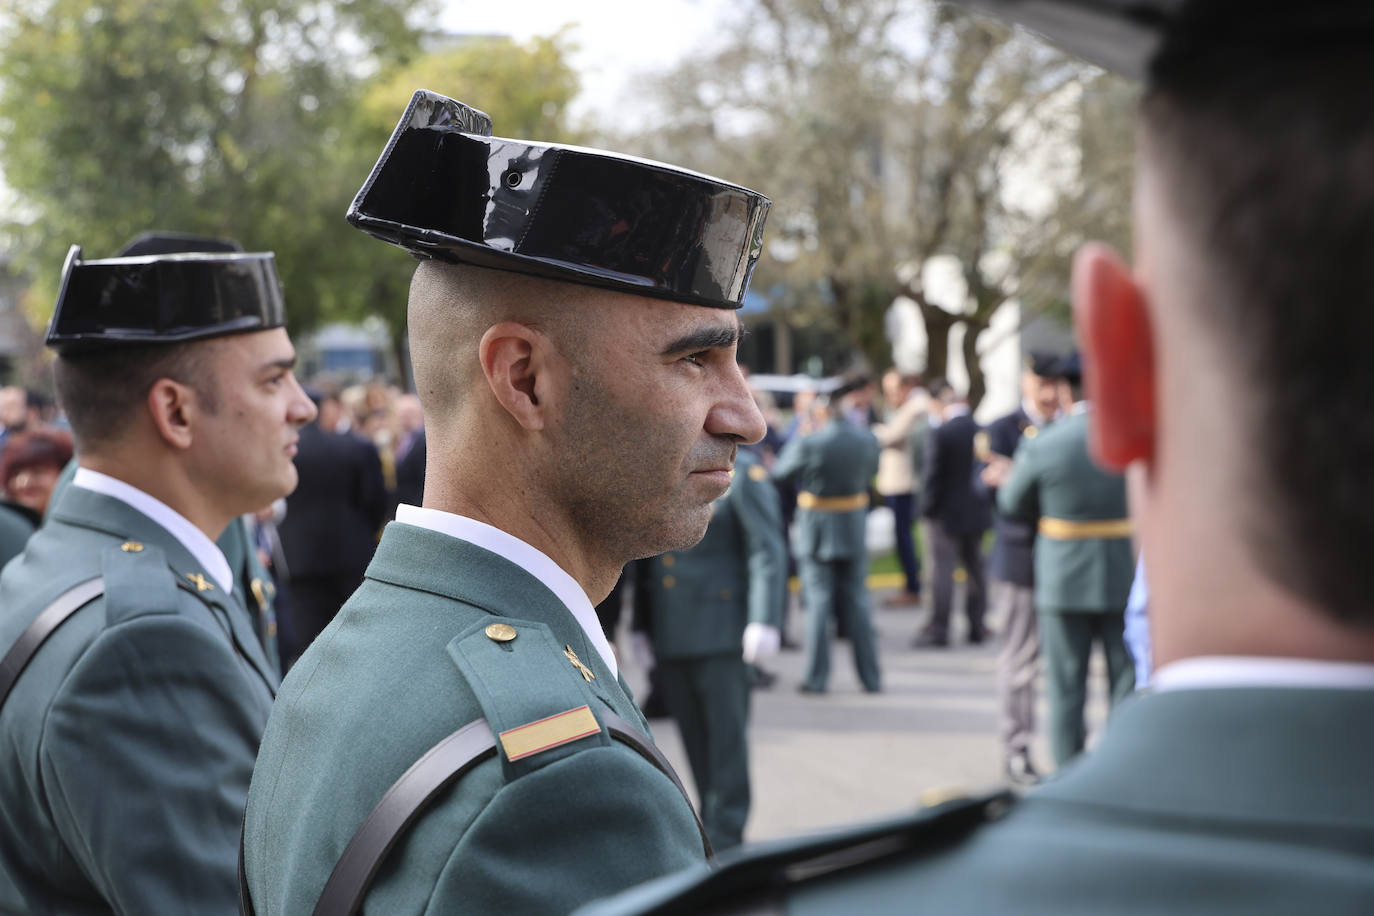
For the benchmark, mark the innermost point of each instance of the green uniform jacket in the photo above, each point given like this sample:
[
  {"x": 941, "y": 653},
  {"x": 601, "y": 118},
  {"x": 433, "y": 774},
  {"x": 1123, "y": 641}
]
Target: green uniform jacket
[
  {"x": 700, "y": 599},
  {"x": 127, "y": 745},
  {"x": 15, "y": 528},
  {"x": 406, "y": 662},
  {"x": 255, "y": 586},
  {"x": 1053, "y": 476},
  {"x": 837, "y": 460},
  {"x": 252, "y": 582},
  {"x": 1224, "y": 802}
]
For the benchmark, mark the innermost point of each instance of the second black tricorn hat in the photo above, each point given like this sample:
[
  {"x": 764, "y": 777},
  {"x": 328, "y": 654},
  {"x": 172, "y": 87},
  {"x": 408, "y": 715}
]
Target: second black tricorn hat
[
  {"x": 445, "y": 188},
  {"x": 1131, "y": 37},
  {"x": 164, "y": 288}
]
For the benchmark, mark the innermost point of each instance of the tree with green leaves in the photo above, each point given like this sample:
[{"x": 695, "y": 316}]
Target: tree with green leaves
[
  {"x": 206, "y": 116},
  {"x": 255, "y": 119}
]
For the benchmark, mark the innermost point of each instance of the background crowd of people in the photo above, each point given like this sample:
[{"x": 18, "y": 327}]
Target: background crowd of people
[{"x": 905, "y": 443}]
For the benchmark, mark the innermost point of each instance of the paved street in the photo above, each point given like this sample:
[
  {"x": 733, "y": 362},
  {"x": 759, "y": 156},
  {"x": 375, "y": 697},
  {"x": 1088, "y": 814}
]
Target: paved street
[{"x": 847, "y": 756}]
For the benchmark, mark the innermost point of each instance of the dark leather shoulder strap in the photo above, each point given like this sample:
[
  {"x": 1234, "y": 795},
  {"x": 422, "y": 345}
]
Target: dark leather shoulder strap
[
  {"x": 43, "y": 626},
  {"x": 408, "y": 796}
]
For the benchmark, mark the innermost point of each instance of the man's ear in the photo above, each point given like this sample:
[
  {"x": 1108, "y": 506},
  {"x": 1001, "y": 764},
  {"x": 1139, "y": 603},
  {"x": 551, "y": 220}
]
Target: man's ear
[
  {"x": 1114, "y": 328},
  {"x": 517, "y": 361},
  {"x": 173, "y": 409}
]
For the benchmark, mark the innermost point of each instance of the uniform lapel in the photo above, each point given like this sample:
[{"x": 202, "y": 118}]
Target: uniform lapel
[
  {"x": 414, "y": 557},
  {"x": 122, "y": 522}
]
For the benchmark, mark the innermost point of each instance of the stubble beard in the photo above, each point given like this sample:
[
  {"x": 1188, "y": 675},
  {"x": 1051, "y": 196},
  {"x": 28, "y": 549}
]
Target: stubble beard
[{"x": 613, "y": 482}]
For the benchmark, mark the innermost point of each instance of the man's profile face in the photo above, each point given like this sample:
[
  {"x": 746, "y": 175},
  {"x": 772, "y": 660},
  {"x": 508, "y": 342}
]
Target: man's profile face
[
  {"x": 1041, "y": 392},
  {"x": 894, "y": 392},
  {"x": 13, "y": 407},
  {"x": 652, "y": 420},
  {"x": 247, "y": 442}
]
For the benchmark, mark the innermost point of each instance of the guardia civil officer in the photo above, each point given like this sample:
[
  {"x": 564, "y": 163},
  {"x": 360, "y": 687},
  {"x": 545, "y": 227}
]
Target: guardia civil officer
[
  {"x": 1240, "y": 783},
  {"x": 1083, "y": 561},
  {"x": 712, "y": 610},
  {"x": 1011, "y": 567},
  {"x": 133, "y": 683},
  {"x": 833, "y": 468},
  {"x": 573, "y": 336}
]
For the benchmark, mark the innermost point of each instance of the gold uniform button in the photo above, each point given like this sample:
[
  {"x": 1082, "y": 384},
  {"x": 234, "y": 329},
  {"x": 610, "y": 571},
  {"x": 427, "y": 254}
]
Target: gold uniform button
[
  {"x": 668, "y": 559},
  {"x": 669, "y": 582},
  {"x": 757, "y": 473},
  {"x": 501, "y": 632},
  {"x": 131, "y": 547},
  {"x": 1031, "y": 432}
]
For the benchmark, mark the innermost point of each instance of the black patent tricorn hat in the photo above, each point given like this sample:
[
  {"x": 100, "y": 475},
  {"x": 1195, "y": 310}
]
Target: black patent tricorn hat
[
  {"x": 444, "y": 188},
  {"x": 164, "y": 288},
  {"x": 1131, "y": 36}
]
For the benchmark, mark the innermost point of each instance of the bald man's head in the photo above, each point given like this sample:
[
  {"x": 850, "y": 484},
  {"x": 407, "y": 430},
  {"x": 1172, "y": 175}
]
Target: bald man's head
[{"x": 452, "y": 305}]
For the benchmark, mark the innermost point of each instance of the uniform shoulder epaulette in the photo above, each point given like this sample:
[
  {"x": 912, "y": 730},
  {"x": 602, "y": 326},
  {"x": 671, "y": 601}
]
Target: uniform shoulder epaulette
[
  {"x": 533, "y": 692},
  {"x": 759, "y": 877},
  {"x": 138, "y": 581}
]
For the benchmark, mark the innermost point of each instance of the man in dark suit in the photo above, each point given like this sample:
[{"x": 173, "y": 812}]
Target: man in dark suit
[
  {"x": 1010, "y": 567},
  {"x": 958, "y": 515},
  {"x": 331, "y": 526}
]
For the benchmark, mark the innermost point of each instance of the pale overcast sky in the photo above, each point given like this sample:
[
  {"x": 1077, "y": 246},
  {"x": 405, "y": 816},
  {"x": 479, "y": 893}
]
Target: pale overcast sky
[{"x": 618, "y": 39}]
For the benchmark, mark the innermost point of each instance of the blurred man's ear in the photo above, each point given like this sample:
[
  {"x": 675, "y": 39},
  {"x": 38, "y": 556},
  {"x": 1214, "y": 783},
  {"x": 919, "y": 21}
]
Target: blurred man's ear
[{"x": 1113, "y": 322}]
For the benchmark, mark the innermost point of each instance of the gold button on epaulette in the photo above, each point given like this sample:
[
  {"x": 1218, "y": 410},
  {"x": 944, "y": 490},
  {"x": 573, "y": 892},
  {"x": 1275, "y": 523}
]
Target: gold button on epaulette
[
  {"x": 501, "y": 632},
  {"x": 667, "y": 559},
  {"x": 131, "y": 547},
  {"x": 669, "y": 582}
]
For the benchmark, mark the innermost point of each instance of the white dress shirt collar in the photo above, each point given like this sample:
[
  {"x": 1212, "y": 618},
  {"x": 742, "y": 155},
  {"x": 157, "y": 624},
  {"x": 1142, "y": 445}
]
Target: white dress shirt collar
[
  {"x": 528, "y": 558},
  {"x": 1212, "y": 671},
  {"x": 200, "y": 546}
]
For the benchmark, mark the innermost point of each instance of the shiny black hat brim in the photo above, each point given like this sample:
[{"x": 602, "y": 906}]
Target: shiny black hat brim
[
  {"x": 444, "y": 189},
  {"x": 1118, "y": 35},
  {"x": 121, "y": 302}
]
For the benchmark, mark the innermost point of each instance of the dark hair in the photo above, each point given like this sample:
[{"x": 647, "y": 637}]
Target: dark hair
[
  {"x": 938, "y": 386},
  {"x": 34, "y": 448},
  {"x": 1267, "y": 151},
  {"x": 101, "y": 392}
]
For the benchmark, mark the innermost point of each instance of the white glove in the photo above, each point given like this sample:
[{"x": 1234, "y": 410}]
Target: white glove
[
  {"x": 642, "y": 649},
  {"x": 761, "y": 641}
]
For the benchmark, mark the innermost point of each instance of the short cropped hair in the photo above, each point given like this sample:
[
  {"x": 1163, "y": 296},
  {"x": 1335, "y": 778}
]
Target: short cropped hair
[
  {"x": 101, "y": 392},
  {"x": 1267, "y": 157}
]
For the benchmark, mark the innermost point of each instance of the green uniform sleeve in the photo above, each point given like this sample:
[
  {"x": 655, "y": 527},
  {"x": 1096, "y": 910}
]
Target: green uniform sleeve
[
  {"x": 1019, "y": 496},
  {"x": 592, "y": 824},
  {"x": 150, "y": 801},
  {"x": 760, "y": 516},
  {"x": 789, "y": 459}
]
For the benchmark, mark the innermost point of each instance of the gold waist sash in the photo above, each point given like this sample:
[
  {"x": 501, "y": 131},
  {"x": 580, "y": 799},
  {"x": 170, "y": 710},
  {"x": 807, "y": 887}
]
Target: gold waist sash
[
  {"x": 1063, "y": 529},
  {"x": 816, "y": 503}
]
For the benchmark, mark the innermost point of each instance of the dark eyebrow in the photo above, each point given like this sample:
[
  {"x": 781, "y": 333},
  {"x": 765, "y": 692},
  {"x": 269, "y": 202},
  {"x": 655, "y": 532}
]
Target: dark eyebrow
[
  {"x": 712, "y": 337},
  {"x": 284, "y": 363}
]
